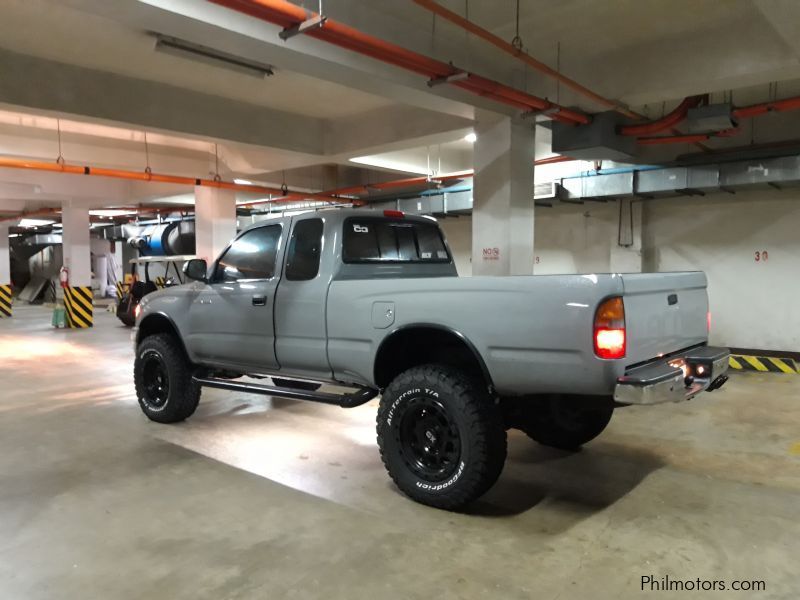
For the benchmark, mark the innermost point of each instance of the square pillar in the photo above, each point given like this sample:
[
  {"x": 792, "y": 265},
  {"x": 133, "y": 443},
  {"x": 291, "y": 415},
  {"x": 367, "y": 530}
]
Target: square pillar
[
  {"x": 626, "y": 245},
  {"x": 5, "y": 272},
  {"x": 78, "y": 297},
  {"x": 215, "y": 220},
  {"x": 502, "y": 209}
]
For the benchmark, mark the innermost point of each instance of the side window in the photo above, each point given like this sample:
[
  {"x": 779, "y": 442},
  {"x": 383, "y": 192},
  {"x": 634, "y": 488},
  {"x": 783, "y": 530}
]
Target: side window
[
  {"x": 251, "y": 256},
  {"x": 305, "y": 248}
]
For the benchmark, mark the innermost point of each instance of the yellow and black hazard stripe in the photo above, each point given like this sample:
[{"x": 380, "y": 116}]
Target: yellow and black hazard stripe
[
  {"x": 161, "y": 282},
  {"x": 78, "y": 302},
  {"x": 5, "y": 301},
  {"x": 120, "y": 290},
  {"x": 765, "y": 364}
]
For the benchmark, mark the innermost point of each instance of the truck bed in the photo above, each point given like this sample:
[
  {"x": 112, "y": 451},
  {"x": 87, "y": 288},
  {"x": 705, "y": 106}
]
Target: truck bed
[{"x": 534, "y": 333}]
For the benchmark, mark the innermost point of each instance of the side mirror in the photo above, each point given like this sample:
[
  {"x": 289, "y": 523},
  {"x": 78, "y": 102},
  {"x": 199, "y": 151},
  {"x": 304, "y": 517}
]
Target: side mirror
[{"x": 196, "y": 269}]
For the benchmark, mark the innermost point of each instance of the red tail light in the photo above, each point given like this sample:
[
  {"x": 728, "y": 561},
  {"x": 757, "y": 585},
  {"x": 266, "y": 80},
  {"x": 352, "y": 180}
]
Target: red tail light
[
  {"x": 708, "y": 321},
  {"x": 609, "y": 329},
  {"x": 394, "y": 214}
]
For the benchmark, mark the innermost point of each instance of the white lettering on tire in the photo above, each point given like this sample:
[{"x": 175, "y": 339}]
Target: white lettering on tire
[{"x": 440, "y": 486}]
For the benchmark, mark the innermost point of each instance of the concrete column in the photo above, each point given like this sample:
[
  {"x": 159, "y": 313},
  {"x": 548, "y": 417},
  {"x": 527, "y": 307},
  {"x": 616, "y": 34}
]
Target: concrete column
[
  {"x": 502, "y": 212},
  {"x": 76, "y": 245},
  {"x": 5, "y": 271},
  {"x": 215, "y": 220},
  {"x": 626, "y": 245}
]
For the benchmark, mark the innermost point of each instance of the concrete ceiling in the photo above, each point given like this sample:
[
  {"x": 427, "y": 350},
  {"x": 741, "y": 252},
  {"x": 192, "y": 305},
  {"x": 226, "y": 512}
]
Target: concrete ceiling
[{"x": 92, "y": 63}]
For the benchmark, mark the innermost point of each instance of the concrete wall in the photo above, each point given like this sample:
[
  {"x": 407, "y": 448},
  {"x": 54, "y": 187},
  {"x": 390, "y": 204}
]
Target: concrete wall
[{"x": 754, "y": 303}]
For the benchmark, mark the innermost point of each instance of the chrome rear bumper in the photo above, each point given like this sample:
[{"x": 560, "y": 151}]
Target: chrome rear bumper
[{"x": 675, "y": 378}]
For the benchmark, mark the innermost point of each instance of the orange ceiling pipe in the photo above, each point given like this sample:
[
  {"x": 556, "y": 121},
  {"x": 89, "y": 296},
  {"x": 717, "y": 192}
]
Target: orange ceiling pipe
[
  {"x": 666, "y": 122},
  {"x": 55, "y": 167},
  {"x": 552, "y": 160},
  {"x": 30, "y": 213},
  {"x": 508, "y": 48},
  {"x": 766, "y": 107},
  {"x": 286, "y": 15}
]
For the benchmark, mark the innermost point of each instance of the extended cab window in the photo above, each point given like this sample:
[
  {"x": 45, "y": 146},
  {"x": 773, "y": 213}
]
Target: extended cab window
[
  {"x": 250, "y": 256},
  {"x": 305, "y": 248},
  {"x": 370, "y": 239}
]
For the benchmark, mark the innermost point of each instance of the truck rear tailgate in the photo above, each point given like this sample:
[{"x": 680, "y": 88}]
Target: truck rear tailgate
[{"x": 664, "y": 313}]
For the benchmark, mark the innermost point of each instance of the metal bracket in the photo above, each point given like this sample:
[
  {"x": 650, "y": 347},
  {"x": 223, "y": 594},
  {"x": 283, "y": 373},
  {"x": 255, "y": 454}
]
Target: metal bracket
[
  {"x": 307, "y": 25},
  {"x": 461, "y": 75}
]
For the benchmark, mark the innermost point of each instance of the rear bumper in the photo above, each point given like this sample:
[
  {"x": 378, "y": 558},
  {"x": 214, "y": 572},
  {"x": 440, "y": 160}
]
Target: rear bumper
[{"x": 675, "y": 378}]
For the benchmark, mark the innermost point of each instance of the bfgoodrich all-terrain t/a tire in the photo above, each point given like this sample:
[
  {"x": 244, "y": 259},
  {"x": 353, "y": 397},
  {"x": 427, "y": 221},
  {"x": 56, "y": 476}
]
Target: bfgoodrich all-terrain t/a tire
[
  {"x": 441, "y": 438},
  {"x": 163, "y": 377}
]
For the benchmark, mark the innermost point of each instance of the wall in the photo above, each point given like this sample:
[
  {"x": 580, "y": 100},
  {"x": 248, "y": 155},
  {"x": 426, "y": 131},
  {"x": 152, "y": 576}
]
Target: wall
[
  {"x": 571, "y": 238},
  {"x": 754, "y": 303}
]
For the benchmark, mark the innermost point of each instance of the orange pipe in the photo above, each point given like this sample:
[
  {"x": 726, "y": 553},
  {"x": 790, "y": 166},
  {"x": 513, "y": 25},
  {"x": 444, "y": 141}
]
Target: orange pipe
[
  {"x": 17, "y": 163},
  {"x": 508, "y": 48},
  {"x": 666, "y": 122},
  {"x": 552, "y": 160},
  {"x": 286, "y": 15},
  {"x": 766, "y": 107}
]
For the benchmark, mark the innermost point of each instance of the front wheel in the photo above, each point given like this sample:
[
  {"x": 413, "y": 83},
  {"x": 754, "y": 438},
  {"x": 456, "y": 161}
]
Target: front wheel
[
  {"x": 441, "y": 439},
  {"x": 162, "y": 375},
  {"x": 566, "y": 422}
]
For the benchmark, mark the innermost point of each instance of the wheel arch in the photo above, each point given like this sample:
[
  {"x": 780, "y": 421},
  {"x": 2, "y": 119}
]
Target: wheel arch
[
  {"x": 159, "y": 322},
  {"x": 421, "y": 343}
]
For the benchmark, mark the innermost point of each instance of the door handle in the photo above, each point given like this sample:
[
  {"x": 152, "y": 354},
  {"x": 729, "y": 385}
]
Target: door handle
[{"x": 259, "y": 300}]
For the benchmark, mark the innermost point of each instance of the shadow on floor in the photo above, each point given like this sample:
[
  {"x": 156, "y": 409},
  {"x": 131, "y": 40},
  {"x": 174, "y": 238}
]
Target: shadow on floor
[{"x": 590, "y": 479}]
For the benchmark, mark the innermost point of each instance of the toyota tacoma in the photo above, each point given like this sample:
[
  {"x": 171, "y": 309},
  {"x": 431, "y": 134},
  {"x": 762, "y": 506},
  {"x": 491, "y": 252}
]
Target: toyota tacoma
[{"x": 371, "y": 301}]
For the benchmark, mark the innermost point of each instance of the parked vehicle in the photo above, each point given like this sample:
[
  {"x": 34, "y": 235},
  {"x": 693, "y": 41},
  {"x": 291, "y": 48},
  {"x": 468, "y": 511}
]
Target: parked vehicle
[
  {"x": 372, "y": 300},
  {"x": 141, "y": 286}
]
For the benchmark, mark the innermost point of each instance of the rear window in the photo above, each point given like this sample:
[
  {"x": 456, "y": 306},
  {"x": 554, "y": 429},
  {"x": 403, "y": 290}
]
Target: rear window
[{"x": 370, "y": 239}]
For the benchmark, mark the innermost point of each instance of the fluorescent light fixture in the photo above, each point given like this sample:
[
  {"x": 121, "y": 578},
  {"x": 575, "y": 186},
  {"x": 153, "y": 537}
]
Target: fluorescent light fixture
[
  {"x": 243, "y": 182},
  {"x": 111, "y": 212},
  {"x": 471, "y": 137},
  {"x": 387, "y": 163},
  {"x": 34, "y": 222},
  {"x": 211, "y": 56}
]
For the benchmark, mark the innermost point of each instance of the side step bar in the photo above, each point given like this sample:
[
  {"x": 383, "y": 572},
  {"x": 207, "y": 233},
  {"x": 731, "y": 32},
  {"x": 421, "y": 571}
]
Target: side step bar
[{"x": 357, "y": 398}]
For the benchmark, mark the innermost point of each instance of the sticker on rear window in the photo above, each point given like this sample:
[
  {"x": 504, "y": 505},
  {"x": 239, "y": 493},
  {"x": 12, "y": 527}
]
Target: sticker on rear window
[{"x": 360, "y": 228}]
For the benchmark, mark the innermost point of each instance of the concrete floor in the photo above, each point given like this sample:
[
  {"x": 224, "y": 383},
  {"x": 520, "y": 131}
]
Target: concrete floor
[{"x": 261, "y": 498}]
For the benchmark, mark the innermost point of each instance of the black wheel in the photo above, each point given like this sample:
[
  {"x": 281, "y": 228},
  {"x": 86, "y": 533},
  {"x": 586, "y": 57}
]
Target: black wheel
[
  {"x": 441, "y": 438},
  {"x": 566, "y": 422},
  {"x": 163, "y": 378}
]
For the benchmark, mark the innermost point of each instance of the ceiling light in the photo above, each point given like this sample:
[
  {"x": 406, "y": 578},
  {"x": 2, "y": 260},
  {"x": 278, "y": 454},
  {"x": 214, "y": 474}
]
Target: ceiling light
[
  {"x": 34, "y": 222},
  {"x": 111, "y": 212},
  {"x": 211, "y": 56},
  {"x": 13, "y": 235},
  {"x": 242, "y": 182},
  {"x": 471, "y": 137}
]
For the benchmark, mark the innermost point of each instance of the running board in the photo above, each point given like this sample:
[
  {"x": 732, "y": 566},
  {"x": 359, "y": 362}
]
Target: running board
[{"x": 357, "y": 398}]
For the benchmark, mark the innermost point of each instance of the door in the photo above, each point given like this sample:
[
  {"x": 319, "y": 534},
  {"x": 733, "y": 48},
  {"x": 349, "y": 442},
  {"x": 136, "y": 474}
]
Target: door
[
  {"x": 231, "y": 317},
  {"x": 301, "y": 330}
]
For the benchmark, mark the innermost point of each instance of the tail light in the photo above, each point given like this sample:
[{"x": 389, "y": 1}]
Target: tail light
[
  {"x": 609, "y": 329},
  {"x": 708, "y": 322}
]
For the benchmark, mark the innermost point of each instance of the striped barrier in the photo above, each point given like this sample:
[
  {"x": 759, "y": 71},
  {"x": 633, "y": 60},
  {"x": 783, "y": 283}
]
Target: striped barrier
[
  {"x": 161, "y": 282},
  {"x": 120, "y": 289},
  {"x": 78, "y": 302},
  {"x": 764, "y": 364},
  {"x": 5, "y": 301}
]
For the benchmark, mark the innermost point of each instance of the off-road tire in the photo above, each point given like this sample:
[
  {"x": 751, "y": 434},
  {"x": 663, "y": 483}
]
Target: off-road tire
[
  {"x": 162, "y": 352},
  {"x": 470, "y": 415},
  {"x": 566, "y": 422}
]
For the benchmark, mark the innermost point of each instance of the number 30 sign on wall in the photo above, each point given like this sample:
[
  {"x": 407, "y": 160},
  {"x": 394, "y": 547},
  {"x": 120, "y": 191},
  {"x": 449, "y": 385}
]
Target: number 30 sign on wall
[{"x": 761, "y": 256}]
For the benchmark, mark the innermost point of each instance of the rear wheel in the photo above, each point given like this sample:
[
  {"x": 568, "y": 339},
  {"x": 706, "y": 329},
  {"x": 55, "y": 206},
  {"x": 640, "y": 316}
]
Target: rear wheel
[
  {"x": 441, "y": 439},
  {"x": 565, "y": 422},
  {"x": 162, "y": 375}
]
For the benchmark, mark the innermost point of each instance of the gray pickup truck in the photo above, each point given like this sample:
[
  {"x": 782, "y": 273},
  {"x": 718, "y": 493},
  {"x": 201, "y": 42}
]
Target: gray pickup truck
[{"x": 371, "y": 302}]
